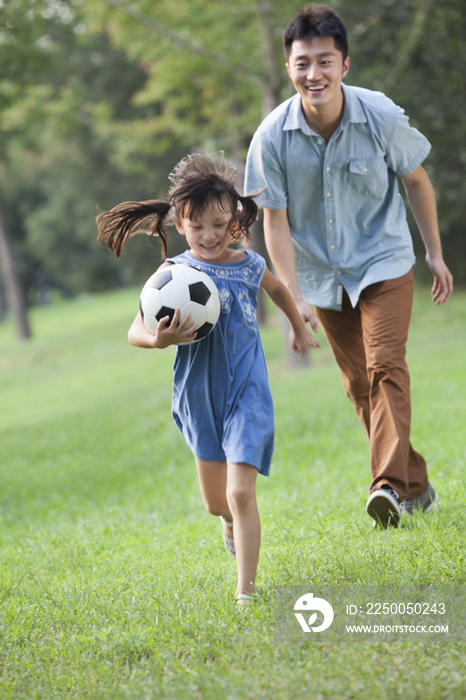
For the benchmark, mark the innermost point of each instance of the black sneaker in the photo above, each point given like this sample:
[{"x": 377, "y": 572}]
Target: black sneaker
[
  {"x": 384, "y": 506},
  {"x": 426, "y": 502}
]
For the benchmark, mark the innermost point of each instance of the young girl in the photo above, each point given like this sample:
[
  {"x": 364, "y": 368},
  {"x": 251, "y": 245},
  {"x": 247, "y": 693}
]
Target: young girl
[{"x": 221, "y": 397}]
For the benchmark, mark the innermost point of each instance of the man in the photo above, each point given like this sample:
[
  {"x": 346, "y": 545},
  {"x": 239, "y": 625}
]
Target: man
[{"x": 328, "y": 162}]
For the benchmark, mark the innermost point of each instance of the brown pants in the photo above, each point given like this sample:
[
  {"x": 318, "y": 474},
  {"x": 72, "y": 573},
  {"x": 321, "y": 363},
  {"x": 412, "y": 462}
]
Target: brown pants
[{"x": 369, "y": 345}]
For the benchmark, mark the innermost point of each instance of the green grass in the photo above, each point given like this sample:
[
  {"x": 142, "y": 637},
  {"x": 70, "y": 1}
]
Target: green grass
[{"x": 113, "y": 579}]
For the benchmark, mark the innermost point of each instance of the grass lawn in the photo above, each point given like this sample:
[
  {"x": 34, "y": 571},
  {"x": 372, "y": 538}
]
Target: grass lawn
[{"x": 113, "y": 579}]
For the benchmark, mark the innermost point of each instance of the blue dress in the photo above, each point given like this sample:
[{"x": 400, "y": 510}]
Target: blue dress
[{"x": 221, "y": 396}]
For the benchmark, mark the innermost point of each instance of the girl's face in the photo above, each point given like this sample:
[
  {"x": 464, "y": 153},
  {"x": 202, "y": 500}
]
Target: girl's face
[{"x": 207, "y": 235}]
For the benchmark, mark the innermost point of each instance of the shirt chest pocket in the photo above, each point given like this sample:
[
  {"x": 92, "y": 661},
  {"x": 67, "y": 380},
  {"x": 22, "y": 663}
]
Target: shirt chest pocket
[{"x": 368, "y": 176}]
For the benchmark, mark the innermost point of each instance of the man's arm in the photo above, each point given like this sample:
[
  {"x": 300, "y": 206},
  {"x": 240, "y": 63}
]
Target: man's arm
[
  {"x": 421, "y": 198},
  {"x": 280, "y": 248}
]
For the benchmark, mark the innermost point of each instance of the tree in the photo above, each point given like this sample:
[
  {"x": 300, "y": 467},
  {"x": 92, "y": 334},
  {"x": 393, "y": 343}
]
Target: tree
[
  {"x": 54, "y": 165},
  {"x": 15, "y": 37},
  {"x": 213, "y": 70},
  {"x": 13, "y": 286}
]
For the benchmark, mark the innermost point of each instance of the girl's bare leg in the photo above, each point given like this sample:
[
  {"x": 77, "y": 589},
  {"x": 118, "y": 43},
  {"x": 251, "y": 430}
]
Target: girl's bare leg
[
  {"x": 241, "y": 497},
  {"x": 213, "y": 483}
]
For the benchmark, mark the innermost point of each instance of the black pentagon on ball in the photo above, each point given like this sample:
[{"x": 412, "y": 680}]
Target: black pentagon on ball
[
  {"x": 204, "y": 330},
  {"x": 162, "y": 278},
  {"x": 165, "y": 311},
  {"x": 199, "y": 293}
]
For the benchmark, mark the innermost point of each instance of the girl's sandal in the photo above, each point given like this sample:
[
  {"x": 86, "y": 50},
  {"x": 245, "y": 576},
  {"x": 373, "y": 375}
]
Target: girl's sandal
[
  {"x": 243, "y": 599},
  {"x": 228, "y": 541}
]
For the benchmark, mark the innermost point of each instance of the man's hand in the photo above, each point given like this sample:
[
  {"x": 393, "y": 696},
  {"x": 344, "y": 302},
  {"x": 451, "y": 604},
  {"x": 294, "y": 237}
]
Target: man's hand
[{"x": 443, "y": 280}]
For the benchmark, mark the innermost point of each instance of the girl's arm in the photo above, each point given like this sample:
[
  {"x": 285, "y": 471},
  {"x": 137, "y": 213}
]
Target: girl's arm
[{"x": 301, "y": 338}]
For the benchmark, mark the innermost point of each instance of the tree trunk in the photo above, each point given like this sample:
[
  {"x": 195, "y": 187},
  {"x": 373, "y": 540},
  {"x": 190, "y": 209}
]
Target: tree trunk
[
  {"x": 2, "y": 306},
  {"x": 12, "y": 282},
  {"x": 273, "y": 83}
]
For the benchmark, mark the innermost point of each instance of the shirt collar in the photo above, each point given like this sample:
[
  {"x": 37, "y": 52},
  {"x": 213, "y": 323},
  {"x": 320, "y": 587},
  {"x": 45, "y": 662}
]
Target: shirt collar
[
  {"x": 295, "y": 118},
  {"x": 352, "y": 112}
]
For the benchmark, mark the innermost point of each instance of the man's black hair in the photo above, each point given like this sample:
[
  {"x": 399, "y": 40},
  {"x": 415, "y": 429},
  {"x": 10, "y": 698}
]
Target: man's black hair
[{"x": 316, "y": 20}]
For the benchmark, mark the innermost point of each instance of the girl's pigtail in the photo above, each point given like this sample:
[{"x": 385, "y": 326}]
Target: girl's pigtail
[
  {"x": 125, "y": 221},
  {"x": 242, "y": 222}
]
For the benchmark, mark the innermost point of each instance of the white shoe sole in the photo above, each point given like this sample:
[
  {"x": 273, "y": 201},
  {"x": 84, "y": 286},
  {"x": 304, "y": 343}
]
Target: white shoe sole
[{"x": 383, "y": 508}]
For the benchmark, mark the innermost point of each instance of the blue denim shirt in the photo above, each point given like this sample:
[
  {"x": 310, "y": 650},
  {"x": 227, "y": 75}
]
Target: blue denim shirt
[{"x": 346, "y": 214}]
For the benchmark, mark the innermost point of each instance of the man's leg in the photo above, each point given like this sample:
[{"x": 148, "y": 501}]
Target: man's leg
[
  {"x": 344, "y": 334},
  {"x": 369, "y": 346},
  {"x": 385, "y": 317}
]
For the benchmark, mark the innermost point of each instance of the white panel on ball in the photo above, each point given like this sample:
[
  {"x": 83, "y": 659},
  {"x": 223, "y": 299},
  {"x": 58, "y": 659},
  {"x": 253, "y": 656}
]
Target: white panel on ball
[
  {"x": 212, "y": 309},
  {"x": 152, "y": 301},
  {"x": 187, "y": 274},
  {"x": 197, "y": 312},
  {"x": 175, "y": 294},
  {"x": 150, "y": 323}
]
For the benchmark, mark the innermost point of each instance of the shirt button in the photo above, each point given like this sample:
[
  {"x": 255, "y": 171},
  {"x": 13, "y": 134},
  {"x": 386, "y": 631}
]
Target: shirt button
[
  {"x": 319, "y": 142},
  {"x": 330, "y": 221},
  {"x": 365, "y": 170},
  {"x": 338, "y": 272},
  {"x": 327, "y": 168},
  {"x": 332, "y": 247},
  {"x": 329, "y": 194}
]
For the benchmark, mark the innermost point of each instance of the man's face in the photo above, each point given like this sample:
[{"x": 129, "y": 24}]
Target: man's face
[{"x": 316, "y": 69}]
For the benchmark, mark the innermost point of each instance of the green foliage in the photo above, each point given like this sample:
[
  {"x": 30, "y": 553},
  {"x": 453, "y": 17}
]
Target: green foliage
[
  {"x": 55, "y": 170},
  {"x": 114, "y": 582},
  {"x": 207, "y": 68}
]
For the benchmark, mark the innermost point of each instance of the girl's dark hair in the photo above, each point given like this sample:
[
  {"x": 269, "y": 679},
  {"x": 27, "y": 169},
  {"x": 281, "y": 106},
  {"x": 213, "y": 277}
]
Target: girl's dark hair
[
  {"x": 316, "y": 20},
  {"x": 199, "y": 182}
]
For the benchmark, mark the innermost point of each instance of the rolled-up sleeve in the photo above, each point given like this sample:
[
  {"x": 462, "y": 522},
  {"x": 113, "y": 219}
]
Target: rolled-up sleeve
[
  {"x": 264, "y": 175},
  {"x": 407, "y": 147}
]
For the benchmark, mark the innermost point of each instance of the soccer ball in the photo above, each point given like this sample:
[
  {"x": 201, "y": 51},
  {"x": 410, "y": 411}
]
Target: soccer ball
[{"x": 180, "y": 287}]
